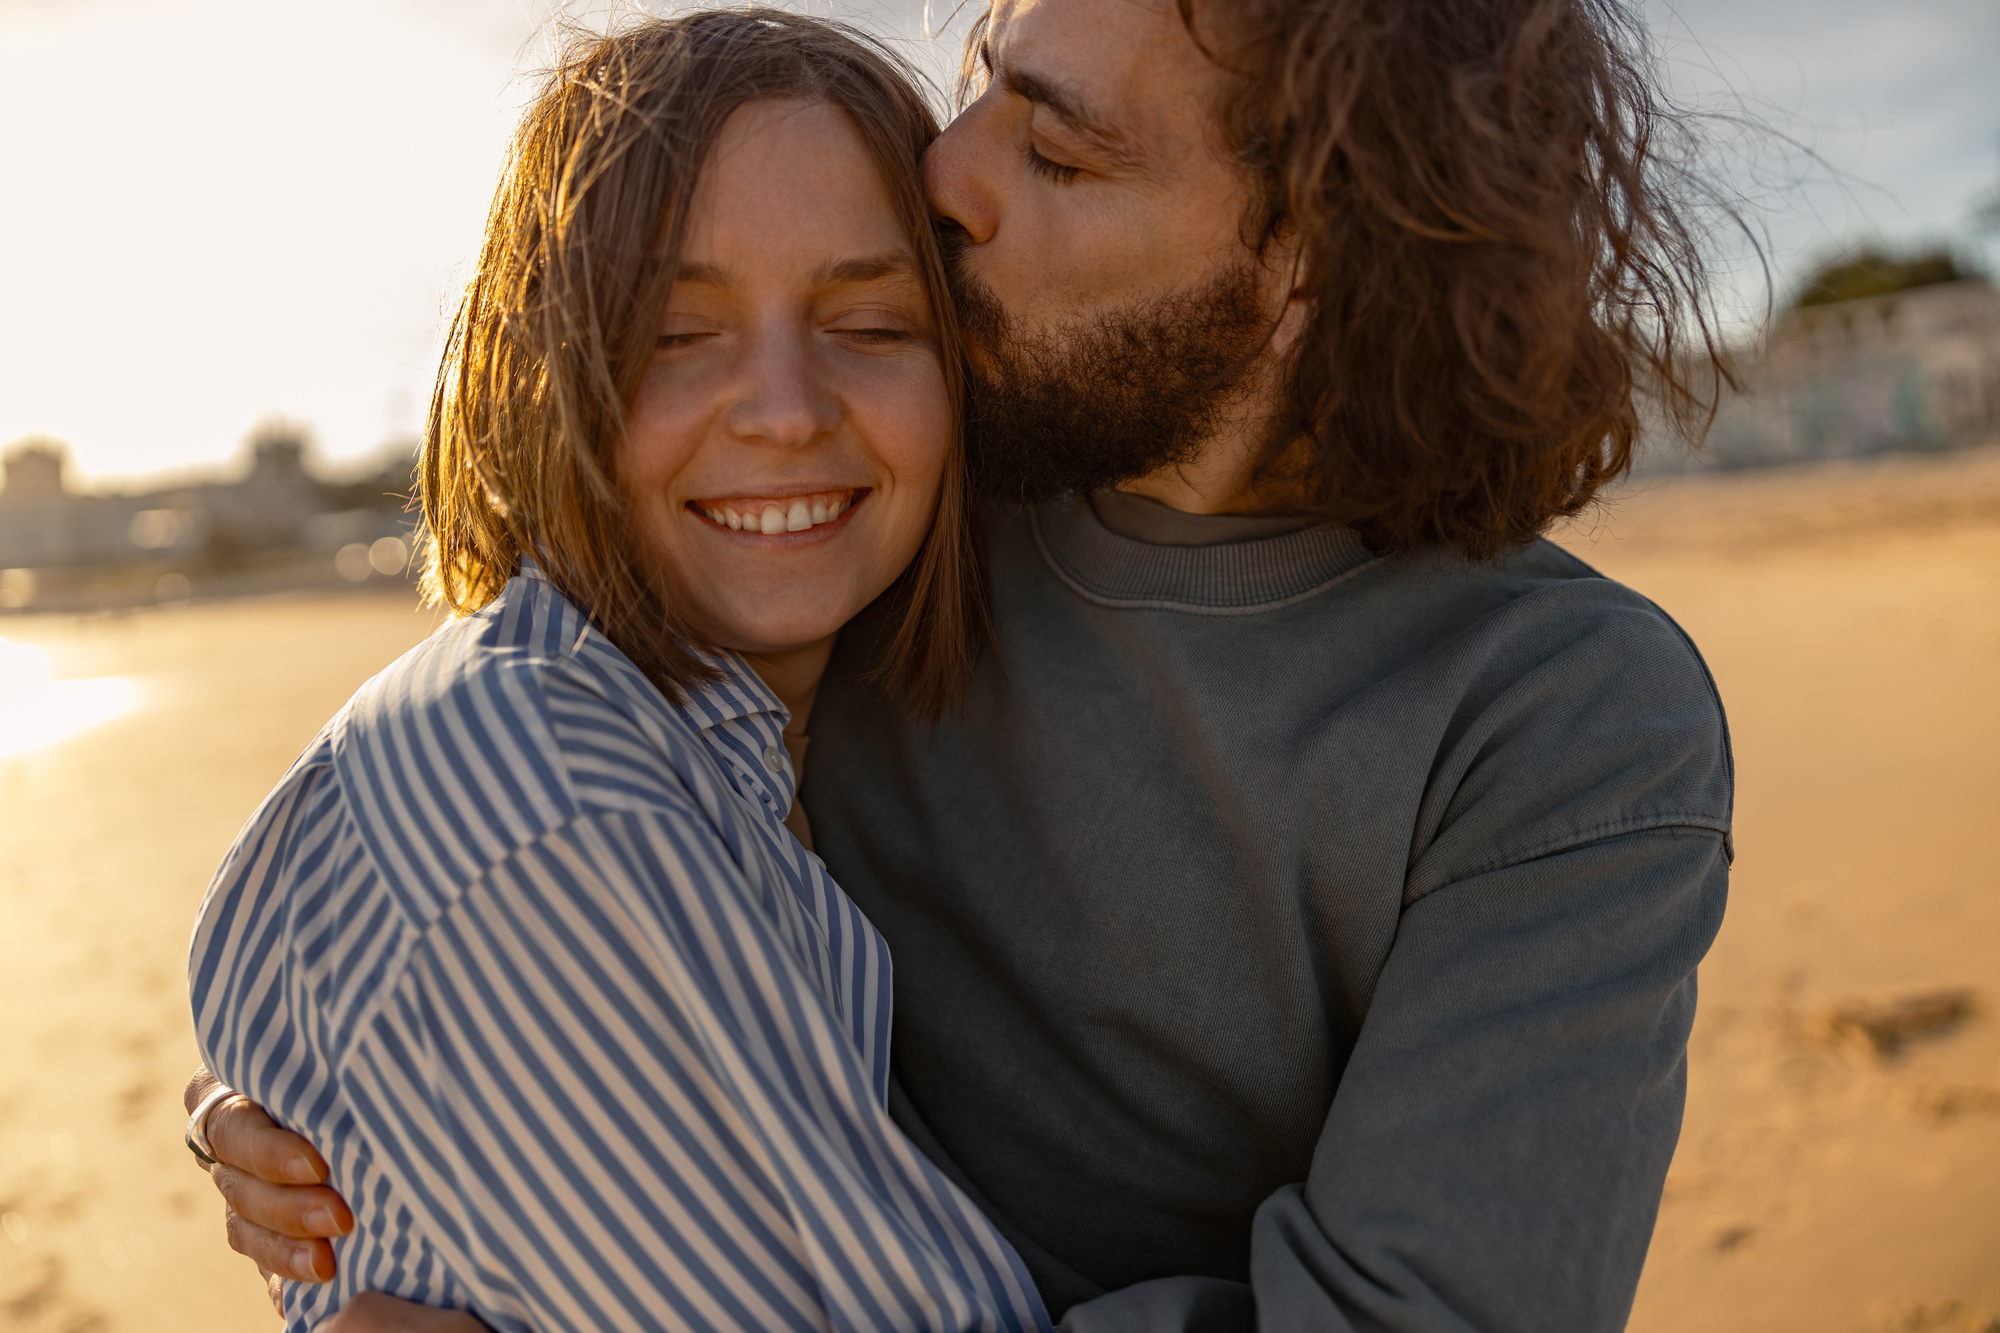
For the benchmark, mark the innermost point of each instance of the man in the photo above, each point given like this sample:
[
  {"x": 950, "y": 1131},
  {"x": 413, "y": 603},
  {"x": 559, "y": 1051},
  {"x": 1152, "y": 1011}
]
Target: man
[{"x": 1298, "y": 927}]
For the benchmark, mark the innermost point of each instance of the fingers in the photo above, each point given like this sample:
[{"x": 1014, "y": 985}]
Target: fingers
[
  {"x": 244, "y": 1137},
  {"x": 198, "y": 1087},
  {"x": 373, "y": 1312},
  {"x": 274, "y": 1287},
  {"x": 302, "y": 1212},
  {"x": 275, "y": 1217},
  {"x": 282, "y": 1256}
]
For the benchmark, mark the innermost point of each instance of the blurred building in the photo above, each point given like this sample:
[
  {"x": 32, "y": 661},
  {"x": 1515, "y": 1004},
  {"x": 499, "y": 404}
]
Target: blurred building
[
  {"x": 44, "y": 523},
  {"x": 1910, "y": 370},
  {"x": 277, "y": 504}
]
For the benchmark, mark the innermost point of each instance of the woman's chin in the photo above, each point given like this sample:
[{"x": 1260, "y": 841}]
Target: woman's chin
[{"x": 769, "y": 635}]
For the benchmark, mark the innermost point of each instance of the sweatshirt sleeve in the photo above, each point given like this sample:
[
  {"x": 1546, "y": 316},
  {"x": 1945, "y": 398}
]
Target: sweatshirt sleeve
[
  {"x": 1495, "y": 1150},
  {"x": 1494, "y": 1157}
]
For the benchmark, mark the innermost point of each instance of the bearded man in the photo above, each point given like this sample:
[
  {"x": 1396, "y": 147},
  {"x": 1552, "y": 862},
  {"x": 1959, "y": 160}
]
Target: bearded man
[{"x": 1298, "y": 927}]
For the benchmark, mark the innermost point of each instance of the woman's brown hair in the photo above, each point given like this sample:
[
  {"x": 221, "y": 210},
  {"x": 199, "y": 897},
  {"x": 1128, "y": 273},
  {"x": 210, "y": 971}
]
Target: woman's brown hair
[
  {"x": 1495, "y": 228},
  {"x": 556, "y": 329}
]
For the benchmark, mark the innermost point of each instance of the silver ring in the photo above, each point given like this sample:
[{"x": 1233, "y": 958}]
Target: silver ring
[{"x": 197, "y": 1125}]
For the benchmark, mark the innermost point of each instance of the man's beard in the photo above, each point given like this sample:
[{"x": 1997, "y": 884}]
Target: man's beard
[{"x": 1095, "y": 402}]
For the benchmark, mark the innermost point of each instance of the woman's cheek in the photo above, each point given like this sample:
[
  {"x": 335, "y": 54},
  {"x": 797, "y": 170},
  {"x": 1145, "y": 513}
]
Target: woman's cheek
[
  {"x": 913, "y": 437},
  {"x": 911, "y": 422},
  {"x": 663, "y": 431}
]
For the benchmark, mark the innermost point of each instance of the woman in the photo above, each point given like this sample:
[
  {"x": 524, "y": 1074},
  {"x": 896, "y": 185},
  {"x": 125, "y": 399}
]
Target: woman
[{"x": 522, "y": 944}]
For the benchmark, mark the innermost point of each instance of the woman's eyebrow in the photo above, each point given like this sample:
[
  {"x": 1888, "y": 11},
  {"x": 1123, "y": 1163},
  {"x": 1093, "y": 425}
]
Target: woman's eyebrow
[
  {"x": 704, "y": 274},
  {"x": 866, "y": 268},
  {"x": 861, "y": 268}
]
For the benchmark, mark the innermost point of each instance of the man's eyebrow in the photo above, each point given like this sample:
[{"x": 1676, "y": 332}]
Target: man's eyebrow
[
  {"x": 866, "y": 268},
  {"x": 1045, "y": 92}
]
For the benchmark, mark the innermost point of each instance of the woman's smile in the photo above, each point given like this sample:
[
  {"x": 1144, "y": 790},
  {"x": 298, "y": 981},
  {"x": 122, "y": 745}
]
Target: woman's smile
[
  {"x": 782, "y": 512},
  {"x": 786, "y": 448}
]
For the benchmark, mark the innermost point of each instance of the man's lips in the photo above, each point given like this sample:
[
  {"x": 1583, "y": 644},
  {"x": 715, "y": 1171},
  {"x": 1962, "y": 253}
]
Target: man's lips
[{"x": 775, "y": 515}]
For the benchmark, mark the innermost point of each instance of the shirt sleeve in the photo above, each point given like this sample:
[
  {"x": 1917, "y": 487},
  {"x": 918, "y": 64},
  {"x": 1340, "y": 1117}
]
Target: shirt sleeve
[
  {"x": 613, "y": 1098},
  {"x": 1494, "y": 1156}
]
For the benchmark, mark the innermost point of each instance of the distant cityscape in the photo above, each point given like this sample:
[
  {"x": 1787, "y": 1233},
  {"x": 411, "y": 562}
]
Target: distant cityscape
[
  {"x": 275, "y": 527},
  {"x": 1875, "y": 356}
]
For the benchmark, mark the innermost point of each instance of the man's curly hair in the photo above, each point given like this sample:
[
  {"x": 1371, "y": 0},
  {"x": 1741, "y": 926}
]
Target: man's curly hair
[
  {"x": 1496, "y": 231},
  {"x": 1495, "y": 224}
]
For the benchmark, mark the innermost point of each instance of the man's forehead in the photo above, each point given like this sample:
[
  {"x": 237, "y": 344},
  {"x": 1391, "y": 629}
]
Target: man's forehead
[{"x": 1125, "y": 63}]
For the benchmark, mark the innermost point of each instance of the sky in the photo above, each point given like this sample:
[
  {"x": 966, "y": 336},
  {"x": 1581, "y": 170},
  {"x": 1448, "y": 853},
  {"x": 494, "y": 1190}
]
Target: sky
[{"x": 220, "y": 211}]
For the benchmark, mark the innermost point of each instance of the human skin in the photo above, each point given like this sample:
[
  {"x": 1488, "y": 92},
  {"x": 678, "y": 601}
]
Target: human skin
[
  {"x": 1134, "y": 197},
  {"x": 797, "y": 359},
  {"x": 798, "y": 365},
  {"x": 1090, "y": 177}
]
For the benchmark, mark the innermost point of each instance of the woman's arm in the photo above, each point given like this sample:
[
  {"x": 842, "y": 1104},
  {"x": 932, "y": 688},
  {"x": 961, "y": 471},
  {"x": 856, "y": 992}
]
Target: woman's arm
[{"x": 608, "y": 1085}]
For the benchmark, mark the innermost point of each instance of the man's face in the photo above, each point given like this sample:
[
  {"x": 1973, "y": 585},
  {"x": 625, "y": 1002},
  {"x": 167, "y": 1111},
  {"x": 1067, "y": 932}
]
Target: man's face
[{"x": 1110, "y": 300}]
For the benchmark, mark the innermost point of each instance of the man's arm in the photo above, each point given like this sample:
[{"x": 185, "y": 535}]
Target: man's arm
[
  {"x": 277, "y": 1214},
  {"x": 277, "y": 1209},
  {"x": 1494, "y": 1155}
]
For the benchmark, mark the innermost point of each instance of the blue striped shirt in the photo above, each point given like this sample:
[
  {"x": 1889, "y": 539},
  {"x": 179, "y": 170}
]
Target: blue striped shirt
[{"x": 588, "y": 1040}]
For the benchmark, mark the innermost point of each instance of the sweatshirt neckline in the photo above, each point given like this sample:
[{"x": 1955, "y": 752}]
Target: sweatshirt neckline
[{"x": 1227, "y": 578}]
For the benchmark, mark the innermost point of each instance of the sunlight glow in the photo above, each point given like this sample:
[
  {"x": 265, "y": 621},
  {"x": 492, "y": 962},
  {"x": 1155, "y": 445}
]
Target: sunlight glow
[{"x": 36, "y": 712}]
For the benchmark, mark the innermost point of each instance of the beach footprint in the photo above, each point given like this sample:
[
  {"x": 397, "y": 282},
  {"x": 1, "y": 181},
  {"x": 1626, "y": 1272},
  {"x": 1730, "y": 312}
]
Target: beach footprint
[
  {"x": 1945, "y": 1316},
  {"x": 1887, "y": 1029}
]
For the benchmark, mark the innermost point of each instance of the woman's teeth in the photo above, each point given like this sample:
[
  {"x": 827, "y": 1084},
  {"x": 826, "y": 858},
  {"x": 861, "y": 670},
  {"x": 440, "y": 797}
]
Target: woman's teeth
[{"x": 772, "y": 517}]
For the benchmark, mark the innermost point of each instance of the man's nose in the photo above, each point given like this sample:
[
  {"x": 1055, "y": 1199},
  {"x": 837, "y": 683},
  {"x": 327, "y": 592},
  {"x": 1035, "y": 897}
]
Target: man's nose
[
  {"x": 960, "y": 176},
  {"x": 785, "y": 399}
]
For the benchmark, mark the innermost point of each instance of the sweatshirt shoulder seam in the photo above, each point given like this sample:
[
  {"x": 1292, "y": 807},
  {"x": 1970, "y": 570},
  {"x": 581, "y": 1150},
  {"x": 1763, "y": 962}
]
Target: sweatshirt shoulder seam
[{"x": 1703, "y": 823}]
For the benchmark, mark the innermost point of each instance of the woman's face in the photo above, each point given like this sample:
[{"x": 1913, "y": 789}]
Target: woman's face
[{"x": 784, "y": 452}]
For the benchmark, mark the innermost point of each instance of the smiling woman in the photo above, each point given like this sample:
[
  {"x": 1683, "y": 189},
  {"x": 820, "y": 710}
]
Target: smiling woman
[
  {"x": 797, "y": 384},
  {"x": 524, "y": 946},
  {"x": 678, "y": 338}
]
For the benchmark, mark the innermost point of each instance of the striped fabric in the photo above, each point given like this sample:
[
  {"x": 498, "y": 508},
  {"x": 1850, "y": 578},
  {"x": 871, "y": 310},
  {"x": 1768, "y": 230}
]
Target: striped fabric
[{"x": 588, "y": 1040}]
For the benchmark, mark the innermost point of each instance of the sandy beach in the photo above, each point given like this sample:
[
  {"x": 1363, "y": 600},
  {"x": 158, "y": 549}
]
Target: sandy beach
[{"x": 1840, "y": 1165}]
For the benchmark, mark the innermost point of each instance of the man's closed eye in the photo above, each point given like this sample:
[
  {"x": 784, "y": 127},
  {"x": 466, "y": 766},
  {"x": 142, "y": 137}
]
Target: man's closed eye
[{"x": 1060, "y": 173}]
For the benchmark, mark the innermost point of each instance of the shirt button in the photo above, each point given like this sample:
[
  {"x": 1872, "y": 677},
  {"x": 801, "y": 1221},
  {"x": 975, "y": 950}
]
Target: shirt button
[{"x": 774, "y": 758}]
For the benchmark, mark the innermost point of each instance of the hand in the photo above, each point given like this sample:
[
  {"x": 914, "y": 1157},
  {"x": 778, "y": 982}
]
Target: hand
[
  {"x": 372, "y": 1312},
  {"x": 279, "y": 1213}
]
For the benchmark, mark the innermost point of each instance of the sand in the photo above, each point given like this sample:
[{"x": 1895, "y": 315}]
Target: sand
[
  {"x": 106, "y": 844},
  {"x": 1840, "y": 1166}
]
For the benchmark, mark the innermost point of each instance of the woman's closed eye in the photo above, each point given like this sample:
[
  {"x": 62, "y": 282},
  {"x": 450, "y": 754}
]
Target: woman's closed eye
[
  {"x": 882, "y": 334},
  {"x": 888, "y": 324},
  {"x": 688, "y": 328}
]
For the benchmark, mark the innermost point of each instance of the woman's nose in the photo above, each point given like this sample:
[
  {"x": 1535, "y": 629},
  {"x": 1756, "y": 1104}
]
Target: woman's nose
[{"x": 785, "y": 399}]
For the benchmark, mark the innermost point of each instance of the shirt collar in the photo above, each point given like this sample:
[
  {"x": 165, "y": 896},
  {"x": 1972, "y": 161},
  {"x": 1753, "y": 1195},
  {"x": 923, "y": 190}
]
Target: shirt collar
[
  {"x": 1236, "y": 577},
  {"x": 737, "y": 694}
]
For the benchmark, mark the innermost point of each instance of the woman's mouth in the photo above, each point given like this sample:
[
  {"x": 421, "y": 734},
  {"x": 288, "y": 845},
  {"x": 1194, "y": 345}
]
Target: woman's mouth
[{"x": 775, "y": 515}]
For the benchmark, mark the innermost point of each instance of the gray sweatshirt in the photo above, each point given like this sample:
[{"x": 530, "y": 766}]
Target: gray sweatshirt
[{"x": 1292, "y": 938}]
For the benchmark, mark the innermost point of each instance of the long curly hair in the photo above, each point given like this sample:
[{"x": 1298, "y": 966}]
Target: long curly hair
[
  {"x": 1497, "y": 230},
  {"x": 1497, "y": 234}
]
